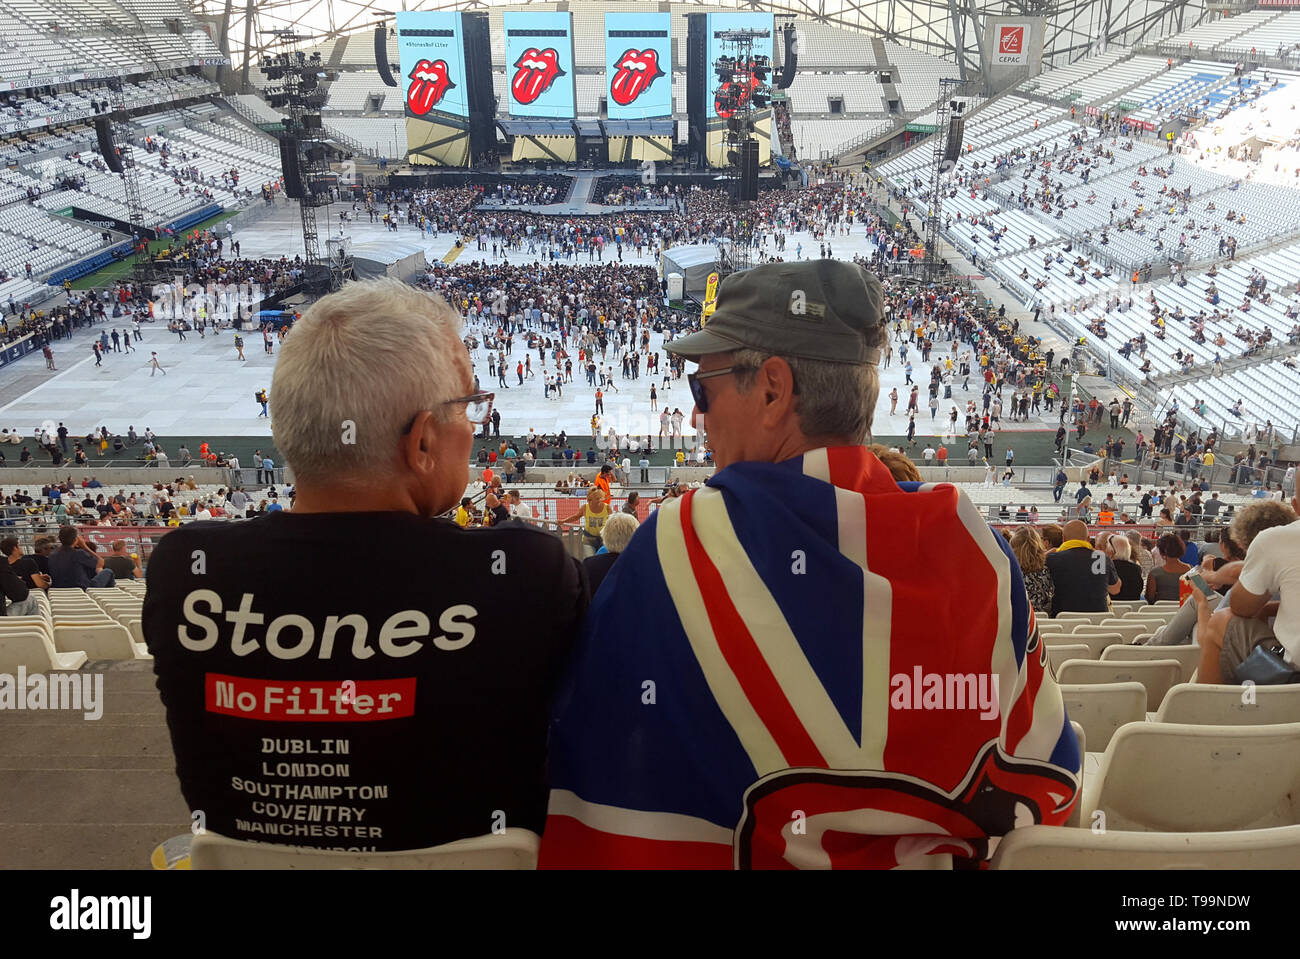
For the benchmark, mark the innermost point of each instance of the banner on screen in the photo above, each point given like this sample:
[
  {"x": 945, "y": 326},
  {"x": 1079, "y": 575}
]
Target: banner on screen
[
  {"x": 721, "y": 22},
  {"x": 539, "y": 64},
  {"x": 638, "y": 65},
  {"x": 432, "y": 56}
]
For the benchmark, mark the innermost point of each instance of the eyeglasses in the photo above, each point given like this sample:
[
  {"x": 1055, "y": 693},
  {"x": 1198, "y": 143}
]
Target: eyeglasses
[
  {"x": 697, "y": 388},
  {"x": 478, "y": 408}
]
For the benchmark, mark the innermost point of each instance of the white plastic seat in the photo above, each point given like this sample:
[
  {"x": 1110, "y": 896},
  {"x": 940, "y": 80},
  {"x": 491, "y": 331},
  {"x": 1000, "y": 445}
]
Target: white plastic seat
[
  {"x": 1050, "y": 626},
  {"x": 34, "y": 651},
  {"x": 1095, "y": 642},
  {"x": 1101, "y": 708},
  {"x": 1158, "y": 676},
  {"x": 1162, "y": 777},
  {"x": 1071, "y": 617},
  {"x": 1059, "y": 847},
  {"x": 1058, "y": 655},
  {"x": 513, "y": 849},
  {"x": 1129, "y": 630},
  {"x": 97, "y": 641},
  {"x": 1189, "y": 657},
  {"x": 1230, "y": 705}
]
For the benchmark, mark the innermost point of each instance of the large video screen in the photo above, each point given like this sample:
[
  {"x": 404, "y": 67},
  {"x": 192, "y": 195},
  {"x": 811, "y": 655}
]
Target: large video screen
[
  {"x": 721, "y": 22},
  {"x": 432, "y": 56},
  {"x": 539, "y": 64},
  {"x": 638, "y": 65}
]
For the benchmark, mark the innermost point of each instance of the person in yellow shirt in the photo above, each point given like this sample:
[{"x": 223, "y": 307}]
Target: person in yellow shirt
[
  {"x": 680, "y": 458},
  {"x": 594, "y": 514},
  {"x": 463, "y": 515}
]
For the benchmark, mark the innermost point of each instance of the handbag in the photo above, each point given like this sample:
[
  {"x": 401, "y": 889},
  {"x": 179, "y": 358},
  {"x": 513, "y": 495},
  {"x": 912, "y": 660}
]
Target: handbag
[{"x": 1266, "y": 667}]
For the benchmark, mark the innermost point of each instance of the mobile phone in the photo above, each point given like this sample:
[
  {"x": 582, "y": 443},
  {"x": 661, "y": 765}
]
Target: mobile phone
[{"x": 1194, "y": 577}]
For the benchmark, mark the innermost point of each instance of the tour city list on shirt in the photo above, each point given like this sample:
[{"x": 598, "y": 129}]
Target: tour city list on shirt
[{"x": 360, "y": 681}]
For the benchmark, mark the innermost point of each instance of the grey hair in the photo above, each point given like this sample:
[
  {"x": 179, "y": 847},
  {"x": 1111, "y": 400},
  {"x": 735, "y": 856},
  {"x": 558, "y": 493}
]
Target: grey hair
[
  {"x": 1122, "y": 547},
  {"x": 617, "y": 532},
  {"x": 358, "y": 366},
  {"x": 835, "y": 399}
]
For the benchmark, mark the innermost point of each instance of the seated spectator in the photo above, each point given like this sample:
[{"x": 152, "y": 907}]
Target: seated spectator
[
  {"x": 1178, "y": 631},
  {"x": 75, "y": 565},
  {"x": 765, "y": 570},
  {"x": 615, "y": 535},
  {"x": 19, "y": 578},
  {"x": 1083, "y": 578},
  {"x": 427, "y": 640},
  {"x": 1228, "y": 634},
  {"x": 1032, "y": 556},
  {"x": 1164, "y": 581},
  {"x": 1130, "y": 573},
  {"x": 124, "y": 566}
]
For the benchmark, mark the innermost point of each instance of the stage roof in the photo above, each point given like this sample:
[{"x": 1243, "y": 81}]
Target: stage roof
[
  {"x": 661, "y": 127},
  {"x": 535, "y": 127}
]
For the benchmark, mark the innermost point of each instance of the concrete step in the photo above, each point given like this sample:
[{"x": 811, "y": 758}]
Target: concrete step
[
  {"x": 58, "y": 744},
  {"x": 85, "y": 846}
]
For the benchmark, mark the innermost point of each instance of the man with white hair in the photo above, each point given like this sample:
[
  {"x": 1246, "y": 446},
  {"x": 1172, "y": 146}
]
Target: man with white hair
[
  {"x": 756, "y": 656},
  {"x": 413, "y": 678}
]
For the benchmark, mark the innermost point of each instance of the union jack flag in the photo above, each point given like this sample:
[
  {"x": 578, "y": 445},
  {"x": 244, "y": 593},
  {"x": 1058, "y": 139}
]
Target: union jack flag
[{"x": 739, "y": 698}]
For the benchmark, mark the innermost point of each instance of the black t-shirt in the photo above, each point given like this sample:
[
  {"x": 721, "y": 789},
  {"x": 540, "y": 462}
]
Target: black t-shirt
[
  {"x": 1077, "y": 587},
  {"x": 24, "y": 569},
  {"x": 423, "y": 708},
  {"x": 122, "y": 567}
]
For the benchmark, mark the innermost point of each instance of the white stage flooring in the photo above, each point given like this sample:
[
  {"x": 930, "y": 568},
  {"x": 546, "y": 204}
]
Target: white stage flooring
[{"x": 208, "y": 392}]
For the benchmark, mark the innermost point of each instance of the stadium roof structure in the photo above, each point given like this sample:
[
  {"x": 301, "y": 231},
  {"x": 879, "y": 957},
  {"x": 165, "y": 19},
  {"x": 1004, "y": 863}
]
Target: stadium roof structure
[
  {"x": 951, "y": 29},
  {"x": 535, "y": 127}
]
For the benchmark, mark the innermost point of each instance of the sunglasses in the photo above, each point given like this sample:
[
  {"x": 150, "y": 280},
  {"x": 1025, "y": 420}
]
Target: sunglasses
[{"x": 697, "y": 388}]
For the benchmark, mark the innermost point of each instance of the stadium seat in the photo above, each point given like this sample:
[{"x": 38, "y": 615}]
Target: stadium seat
[
  {"x": 1158, "y": 676},
  {"x": 1095, "y": 642},
  {"x": 1230, "y": 705},
  {"x": 1188, "y": 656},
  {"x": 1072, "y": 617},
  {"x": 513, "y": 849},
  {"x": 106, "y": 640},
  {"x": 34, "y": 651},
  {"x": 1161, "y": 777},
  {"x": 1127, "y": 628},
  {"x": 1057, "y": 655},
  {"x": 1050, "y": 626},
  {"x": 1102, "y": 708},
  {"x": 1059, "y": 847}
]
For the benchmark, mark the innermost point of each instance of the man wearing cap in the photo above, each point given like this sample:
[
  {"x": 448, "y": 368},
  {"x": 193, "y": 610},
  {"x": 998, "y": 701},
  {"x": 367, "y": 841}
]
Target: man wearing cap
[{"x": 761, "y": 652}]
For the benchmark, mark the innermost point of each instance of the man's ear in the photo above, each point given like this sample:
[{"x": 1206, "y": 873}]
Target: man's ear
[{"x": 417, "y": 446}]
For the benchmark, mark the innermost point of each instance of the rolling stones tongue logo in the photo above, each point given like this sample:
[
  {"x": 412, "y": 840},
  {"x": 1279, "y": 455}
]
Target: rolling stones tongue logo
[
  {"x": 734, "y": 94},
  {"x": 429, "y": 84},
  {"x": 636, "y": 70},
  {"x": 535, "y": 71}
]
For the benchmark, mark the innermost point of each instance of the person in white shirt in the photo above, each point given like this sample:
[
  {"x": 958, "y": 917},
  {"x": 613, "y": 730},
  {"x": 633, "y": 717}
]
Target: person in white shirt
[
  {"x": 1272, "y": 566},
  {"x": 518, "y": 507},
  {"x": 928, "y": 454}
]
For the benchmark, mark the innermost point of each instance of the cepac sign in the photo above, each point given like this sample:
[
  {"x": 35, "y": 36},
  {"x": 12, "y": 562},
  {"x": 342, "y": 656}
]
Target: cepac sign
[{"x": 1013, "y": 44}]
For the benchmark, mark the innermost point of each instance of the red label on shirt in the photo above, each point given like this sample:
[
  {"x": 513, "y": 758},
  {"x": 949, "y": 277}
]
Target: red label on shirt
[{"x": 310, "y": 701}]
